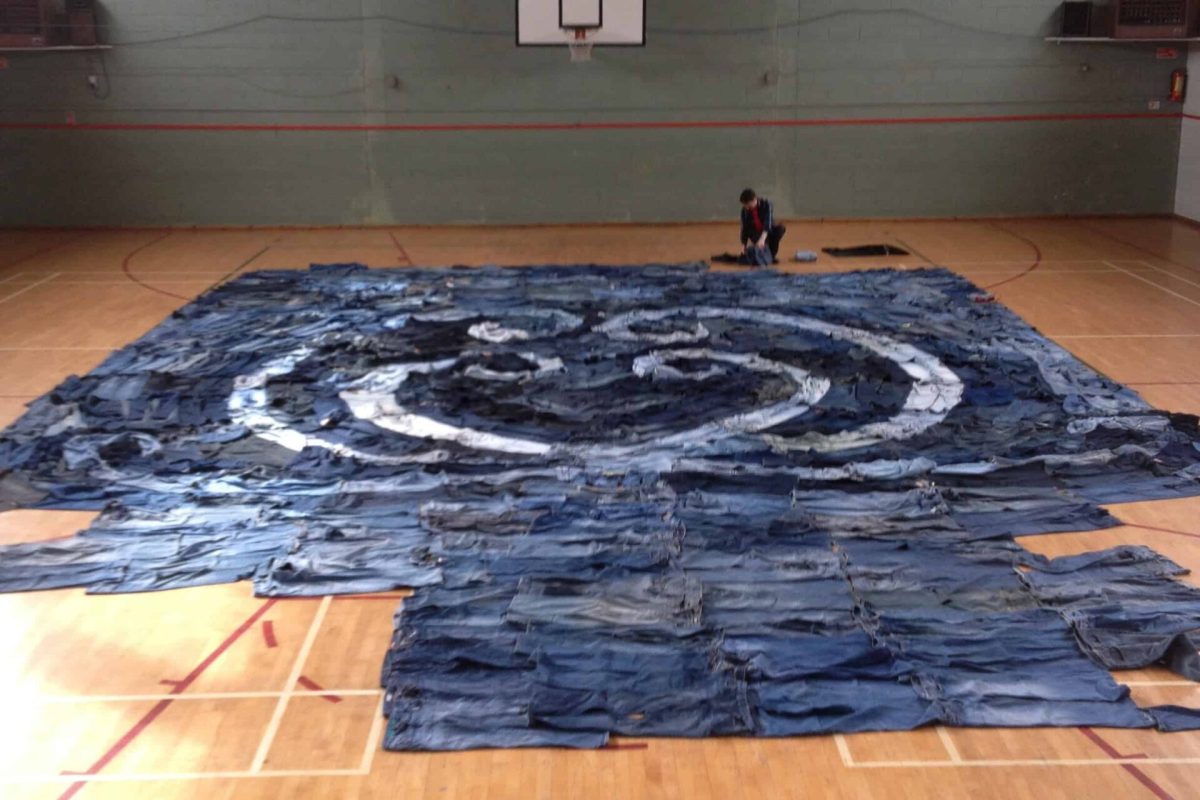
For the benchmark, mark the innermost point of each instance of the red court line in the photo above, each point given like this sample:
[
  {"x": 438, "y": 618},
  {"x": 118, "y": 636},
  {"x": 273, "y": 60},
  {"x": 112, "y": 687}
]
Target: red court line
[
  {"x": 268, "y": 632},
  {"x": 1148, "y": 782},
  {"x": 1141, "y": 777},
  {"x": 179, "y": 687},
  {"x": 1191, "y": 116},
  {"x": 143, "y": 284},
  {"x": 1037, "y": 255},
  {"x": 1160, "y": 530},
  {"x": 313, "y": 686},
  {"x": 244, "y": 264},
  {"x": 467, "y": 127},
  {"x": 1111, "y": 751},
  {"x": 400, "y": 247}
]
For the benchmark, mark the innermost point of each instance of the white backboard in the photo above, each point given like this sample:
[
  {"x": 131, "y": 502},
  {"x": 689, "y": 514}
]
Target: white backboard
[{"x": 609, "y": 23}]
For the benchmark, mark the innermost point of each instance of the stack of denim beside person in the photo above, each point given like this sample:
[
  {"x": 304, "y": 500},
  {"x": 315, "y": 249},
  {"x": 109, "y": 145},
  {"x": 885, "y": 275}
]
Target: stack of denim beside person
[{"x": 639, "y": 501}]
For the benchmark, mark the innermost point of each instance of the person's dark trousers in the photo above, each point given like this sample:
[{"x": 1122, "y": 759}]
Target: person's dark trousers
[{"x": 774, "y": 237}]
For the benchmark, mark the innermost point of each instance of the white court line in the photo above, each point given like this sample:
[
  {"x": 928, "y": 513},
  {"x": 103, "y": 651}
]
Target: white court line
[
  {"x": 65, "y": 699},
  {"x": 1125, "y": 336},
  {"x": 20, "y": 292},
  {"x": 1044, "y": 261},
  {"x": 948, "y": 743},
  {"x": 268, "y": 739},
  {"x": 368, "y": 759},
  {"x": 843, "y": 750},
  {"x": 117, "y": 777},
  {"x": 14, "y": 276},
  {"x": 1159, "y": 683},
  {"x": 1183, "y": 297},
  {"x": 139, "y": 698},
  {"x": 1041, "y": 272},
  {"x": 1172, "y": 274},
  {"x": 1020, "y": 762}
]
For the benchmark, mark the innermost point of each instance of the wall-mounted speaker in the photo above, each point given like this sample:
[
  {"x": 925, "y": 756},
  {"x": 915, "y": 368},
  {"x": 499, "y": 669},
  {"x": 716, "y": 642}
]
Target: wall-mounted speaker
[
  {"x": 1155, "y": 19},
  {"x": 26, "y": 23},
  {"x": 81, "y": 22},
  {"x": 1076, "y": 19}
]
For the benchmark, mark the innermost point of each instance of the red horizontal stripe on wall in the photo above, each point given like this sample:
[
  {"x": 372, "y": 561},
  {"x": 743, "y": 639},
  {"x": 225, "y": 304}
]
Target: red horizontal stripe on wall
[{"x": 576, "y": 126}]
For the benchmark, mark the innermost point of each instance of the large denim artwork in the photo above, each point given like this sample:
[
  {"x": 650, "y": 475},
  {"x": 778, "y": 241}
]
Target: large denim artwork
[{"x": 639, "y": 501}]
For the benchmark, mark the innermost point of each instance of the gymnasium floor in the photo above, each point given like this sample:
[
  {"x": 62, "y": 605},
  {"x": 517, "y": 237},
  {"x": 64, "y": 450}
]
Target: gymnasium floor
[{"x": 213, "y": 693}]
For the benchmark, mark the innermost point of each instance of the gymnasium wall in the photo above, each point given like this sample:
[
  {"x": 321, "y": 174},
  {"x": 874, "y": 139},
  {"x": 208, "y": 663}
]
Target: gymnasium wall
[
  {"x": 1187, "y": 191},
  {"x": 938, "y": 83}
]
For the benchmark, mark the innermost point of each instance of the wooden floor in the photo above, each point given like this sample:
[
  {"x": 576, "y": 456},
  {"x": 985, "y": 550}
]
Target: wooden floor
[{"x": 211, "y": 692}]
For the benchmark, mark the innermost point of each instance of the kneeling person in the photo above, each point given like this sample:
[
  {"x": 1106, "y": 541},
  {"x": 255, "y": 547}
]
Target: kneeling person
[{"x": 758, "y": 224}]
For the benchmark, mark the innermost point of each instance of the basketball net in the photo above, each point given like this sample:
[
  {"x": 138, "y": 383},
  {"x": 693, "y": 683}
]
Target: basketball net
[{"x": 581, "y": 48}]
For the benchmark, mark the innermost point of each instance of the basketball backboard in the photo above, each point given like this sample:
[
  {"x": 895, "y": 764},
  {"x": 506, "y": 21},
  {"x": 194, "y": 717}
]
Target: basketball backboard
[{"x": 561, "y": 23}]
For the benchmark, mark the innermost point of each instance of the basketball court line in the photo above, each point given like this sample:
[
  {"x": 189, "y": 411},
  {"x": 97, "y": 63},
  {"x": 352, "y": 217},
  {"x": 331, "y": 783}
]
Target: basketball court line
[
  {"x": 1125, "y": 336},
  {"x": 245, "y": 263},
  {"x": 128, "y": 260},
  {"x": 373, "y": 743},
  {"x": 843, "y": 749},
  {"x": 179, "y": 687},
  {"x": 1171, "y": 292},
  {"x": 948, "y": 743},
  {"x": 378, "y": 725},
  {"x": 289, "y": 688},
  {"x": 1188, "y": 534},
  {"x": 141, "y": 777},
  {"x": 322, "y": 692},
  {"x": 1025, "y": 271},
  {"x": 1132, "y": 245},
  {"x": 84, "y": 699},
  {"x": 1108, "y": 749},
  {"x": 400, "y": 247},
  {"x": 206, "y": 273},
  {"x": 126, "y": 283},
  {"x": 25, "y": 289},
  {"x": 1172, "y": 274},
  {"x": 1018, "y": 261},
  {"x": 1029, "y": 270},
  {"x": 1022, "y": 762},
  {"x": 43, "y": 251},
  {"x": 1160, "y": 683}
]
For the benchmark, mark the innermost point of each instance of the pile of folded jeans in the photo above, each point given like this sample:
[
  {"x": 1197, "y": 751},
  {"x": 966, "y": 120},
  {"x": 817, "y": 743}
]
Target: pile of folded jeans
[{"x": 638, "y": 501}]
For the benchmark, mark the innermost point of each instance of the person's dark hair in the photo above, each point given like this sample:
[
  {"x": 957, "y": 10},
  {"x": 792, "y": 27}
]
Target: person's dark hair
[{"x": 748, "y": 195}]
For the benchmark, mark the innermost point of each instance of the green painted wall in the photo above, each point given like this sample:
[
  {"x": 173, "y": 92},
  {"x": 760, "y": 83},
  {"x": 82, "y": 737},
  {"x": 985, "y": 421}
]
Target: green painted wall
[{"x": 454, "y": 61}]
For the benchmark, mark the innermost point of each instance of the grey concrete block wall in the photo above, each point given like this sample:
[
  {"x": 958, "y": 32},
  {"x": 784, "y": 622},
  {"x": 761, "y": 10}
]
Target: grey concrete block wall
[
  {"x": 371, "y": 62},
  {"x": 1187, "y": 190}
]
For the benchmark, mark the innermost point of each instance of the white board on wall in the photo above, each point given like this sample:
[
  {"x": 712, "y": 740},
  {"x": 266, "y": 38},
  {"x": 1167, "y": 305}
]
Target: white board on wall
[{"x": 552, "y": 23}]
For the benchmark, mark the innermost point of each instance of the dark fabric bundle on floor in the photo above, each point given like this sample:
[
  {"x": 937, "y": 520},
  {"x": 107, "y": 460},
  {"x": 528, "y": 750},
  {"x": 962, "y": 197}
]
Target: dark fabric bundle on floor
[{"x": 865, "y": 251}]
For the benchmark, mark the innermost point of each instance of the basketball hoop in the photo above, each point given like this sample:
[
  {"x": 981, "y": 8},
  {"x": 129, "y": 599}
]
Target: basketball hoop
[{"x": 581, "y": 48}]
